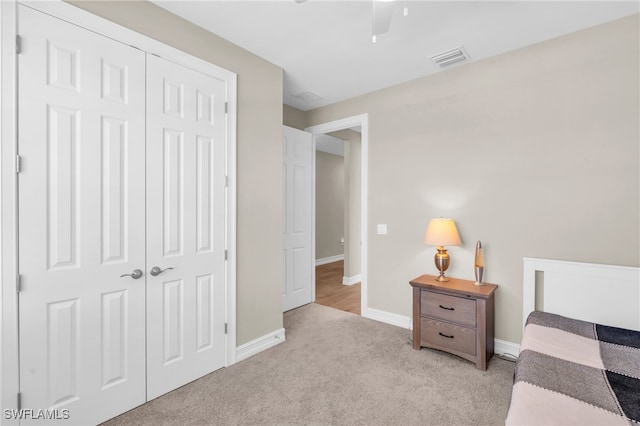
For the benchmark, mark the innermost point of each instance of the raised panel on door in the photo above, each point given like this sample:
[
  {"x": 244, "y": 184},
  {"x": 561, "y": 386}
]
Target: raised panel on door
[
  {"x": 81, "y": 203},
  {"x": 186, "y": 139},
  {"x": 297, "y": 211}
]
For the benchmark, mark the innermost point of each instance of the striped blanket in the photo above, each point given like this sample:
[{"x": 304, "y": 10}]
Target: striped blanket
[{"x": 572, "y": 372}]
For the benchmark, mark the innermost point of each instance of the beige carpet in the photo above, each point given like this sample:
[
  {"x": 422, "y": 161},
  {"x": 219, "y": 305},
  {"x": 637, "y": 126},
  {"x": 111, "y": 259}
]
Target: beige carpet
[{"x": 337, "y": 368}]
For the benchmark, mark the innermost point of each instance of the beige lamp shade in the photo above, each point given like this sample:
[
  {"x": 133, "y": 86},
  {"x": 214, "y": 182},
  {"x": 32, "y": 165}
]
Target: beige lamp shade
[{"x": 442, "y": 232}]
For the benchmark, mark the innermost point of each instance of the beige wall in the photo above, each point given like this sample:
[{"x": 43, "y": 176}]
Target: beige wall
[
  {"x": 259, "y": 155},
  {"x": 293, "y": 117},
  {"x": 352, "y": 196},
  {"x": 534, "y": 152},
  {"x": 329, "y": 204}
]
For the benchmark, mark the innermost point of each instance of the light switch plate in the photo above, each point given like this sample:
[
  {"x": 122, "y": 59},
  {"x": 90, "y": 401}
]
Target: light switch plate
[{"x": 382, "y": 229}]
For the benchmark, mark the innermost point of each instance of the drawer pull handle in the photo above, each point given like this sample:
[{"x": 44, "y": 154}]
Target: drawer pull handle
[
  {"x": 448, "y": 309},
  {"x": 445, "y": 335}
]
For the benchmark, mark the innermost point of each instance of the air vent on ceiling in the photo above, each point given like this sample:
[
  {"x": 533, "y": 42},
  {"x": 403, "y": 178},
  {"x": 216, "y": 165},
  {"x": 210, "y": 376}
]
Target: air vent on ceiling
[
  {"x": 307, "y": 96},
  {"x": 450, "y": 57}
]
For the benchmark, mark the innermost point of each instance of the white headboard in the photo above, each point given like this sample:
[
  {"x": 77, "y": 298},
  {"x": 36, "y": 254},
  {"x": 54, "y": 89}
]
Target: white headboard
[{"x": 604, "y": 294}]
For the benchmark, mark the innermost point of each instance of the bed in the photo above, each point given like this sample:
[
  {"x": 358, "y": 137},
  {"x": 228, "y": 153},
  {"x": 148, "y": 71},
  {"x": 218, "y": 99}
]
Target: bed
[{"x": 579, "y": 359}]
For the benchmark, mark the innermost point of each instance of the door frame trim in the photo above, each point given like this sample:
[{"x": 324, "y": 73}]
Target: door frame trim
[
  {"x": 361, "y": 120},
  {"x": 9, "y": 353},
  {"x": 9, "y": 356}
]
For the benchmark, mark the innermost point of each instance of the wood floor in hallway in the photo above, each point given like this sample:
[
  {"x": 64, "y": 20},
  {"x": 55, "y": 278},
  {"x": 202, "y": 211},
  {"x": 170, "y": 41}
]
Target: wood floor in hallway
[{"x": 331, "y": 292}]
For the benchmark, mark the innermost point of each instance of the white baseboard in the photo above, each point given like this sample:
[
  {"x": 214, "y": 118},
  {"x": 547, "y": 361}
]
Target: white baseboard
[
  {"x": 351, "y": 280},
  {"x": 331, "y": 259},
  {"x": 260, "y": 344},
  {"x": 501, "y": 347},
  {"x": 389, "y": 318}
]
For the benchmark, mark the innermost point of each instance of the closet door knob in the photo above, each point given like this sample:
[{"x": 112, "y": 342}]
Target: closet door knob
[
  {"x": 155, "y": 271},
  {"x": 137, "y": 273}
]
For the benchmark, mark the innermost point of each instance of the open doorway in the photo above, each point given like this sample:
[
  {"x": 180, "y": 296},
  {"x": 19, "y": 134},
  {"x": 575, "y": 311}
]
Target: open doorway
[
  {"x": 341, "y": 280},
  {"x": 337, "y": 219}
]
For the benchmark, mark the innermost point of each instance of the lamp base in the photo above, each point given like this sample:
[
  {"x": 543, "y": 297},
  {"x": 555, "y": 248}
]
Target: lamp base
[
  {"x": 442, "y": 263},
  {"x": 442, "y": 278}
]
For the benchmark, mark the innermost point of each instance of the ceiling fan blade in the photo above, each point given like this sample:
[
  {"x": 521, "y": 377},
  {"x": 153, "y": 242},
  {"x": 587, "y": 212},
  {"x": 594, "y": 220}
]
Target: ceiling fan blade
[{"x": 383, "y": 12}]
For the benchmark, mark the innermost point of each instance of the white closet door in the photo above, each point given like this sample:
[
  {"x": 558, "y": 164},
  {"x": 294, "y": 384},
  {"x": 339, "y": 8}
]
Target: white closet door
[
  {"x": 186, "y": 134},
  {"x": 81, "y": 208},
  {"x": 296, "y": 228}
]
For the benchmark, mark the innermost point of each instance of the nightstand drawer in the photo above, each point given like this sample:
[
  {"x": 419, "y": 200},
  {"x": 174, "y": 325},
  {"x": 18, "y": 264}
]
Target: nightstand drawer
[
  {"x": 449, "y": 308},
  {"x": 448, "y": 336}
]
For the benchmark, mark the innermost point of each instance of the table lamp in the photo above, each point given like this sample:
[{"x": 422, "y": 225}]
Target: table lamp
[{"x": 442, "y": 232}]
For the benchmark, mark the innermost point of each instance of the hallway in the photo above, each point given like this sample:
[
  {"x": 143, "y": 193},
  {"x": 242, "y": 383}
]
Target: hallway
[{"x": 331, "y": 292}]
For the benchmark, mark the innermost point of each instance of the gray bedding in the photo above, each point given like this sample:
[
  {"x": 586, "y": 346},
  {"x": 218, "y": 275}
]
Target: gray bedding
[{"x": 575, "y": 372}]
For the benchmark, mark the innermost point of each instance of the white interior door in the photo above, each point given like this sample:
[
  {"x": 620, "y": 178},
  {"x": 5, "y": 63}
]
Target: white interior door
[
  {"x": 296, "y": 227},
  {"x": 81, "y": 209},
  {"x": 186, "y": 134}
]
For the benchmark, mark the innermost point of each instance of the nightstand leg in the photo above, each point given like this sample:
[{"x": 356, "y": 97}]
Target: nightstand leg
[{"x": 416, "y": 318}]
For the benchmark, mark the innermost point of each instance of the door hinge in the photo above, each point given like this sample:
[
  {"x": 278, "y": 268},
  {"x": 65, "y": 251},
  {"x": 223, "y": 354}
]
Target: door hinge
[
  {"x": 225, "y": 328},
  {"x": 19, "y": 400},
  {"x": 18, "y": 44},
  {"x": 226, "y": 107},
  {"x": 226, "y": 254},
  {"x": 18, "y": 283},
  {"x": 226, "y": 181},
  {"x": 18, "y": 164}
]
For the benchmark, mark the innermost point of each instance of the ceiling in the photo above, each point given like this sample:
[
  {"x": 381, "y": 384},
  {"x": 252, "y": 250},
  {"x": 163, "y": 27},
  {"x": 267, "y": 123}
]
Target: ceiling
[
  {"x": 325, "y": 47},
  {"x": 330, "y": 145}
]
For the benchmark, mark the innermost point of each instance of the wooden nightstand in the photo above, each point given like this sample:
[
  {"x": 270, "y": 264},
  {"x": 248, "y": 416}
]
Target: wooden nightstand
[{"x": 455, "y": 316}]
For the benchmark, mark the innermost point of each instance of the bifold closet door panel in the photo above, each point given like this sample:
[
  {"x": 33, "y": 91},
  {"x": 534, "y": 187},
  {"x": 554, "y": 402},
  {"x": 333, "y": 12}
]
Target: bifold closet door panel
[
  {"x": 186, "y": 132},
  {"x": 82, "y": 222}
]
